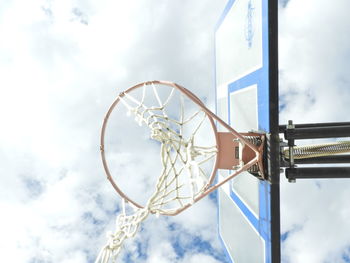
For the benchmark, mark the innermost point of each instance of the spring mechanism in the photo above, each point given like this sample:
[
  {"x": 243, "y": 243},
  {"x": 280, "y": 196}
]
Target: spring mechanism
[
  {"x": 254, "y": 169},
  {"x": 256, "y": 140},
  {"x": 319, "y": 150}
]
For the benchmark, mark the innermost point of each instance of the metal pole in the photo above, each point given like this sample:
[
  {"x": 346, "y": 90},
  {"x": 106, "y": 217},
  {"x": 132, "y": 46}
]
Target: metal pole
[
  {"x": 318, "y": 173},
  {"x": 317, "y": 133},
  {"x": 324, "y": 159},
  {"x": 282, "y": 128}
]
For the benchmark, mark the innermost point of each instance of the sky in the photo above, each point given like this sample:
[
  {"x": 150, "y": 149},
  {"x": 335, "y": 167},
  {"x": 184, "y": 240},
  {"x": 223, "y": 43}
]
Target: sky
[
  {"x": 62, "y": 63},
  {"x": 314, "y": 87}
]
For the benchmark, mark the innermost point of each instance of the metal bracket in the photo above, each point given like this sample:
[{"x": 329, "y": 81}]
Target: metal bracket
[{"x": 313, "y": 131}]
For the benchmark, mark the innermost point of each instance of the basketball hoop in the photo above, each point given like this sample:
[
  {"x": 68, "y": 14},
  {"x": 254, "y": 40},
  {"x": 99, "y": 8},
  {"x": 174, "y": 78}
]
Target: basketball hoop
[{"x": 182, "y": 181}]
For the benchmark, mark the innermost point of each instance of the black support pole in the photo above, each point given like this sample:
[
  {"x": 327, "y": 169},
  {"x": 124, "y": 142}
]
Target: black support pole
[
  {"x": 294, "y": 132},
  {"x": 317, "y": 173},
  {"x": 324, "y": 159},
  {"x": 317, "y": 133},
  {"x": 282, "y": 128}
]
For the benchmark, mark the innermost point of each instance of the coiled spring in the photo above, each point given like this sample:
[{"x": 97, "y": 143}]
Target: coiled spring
[
  {"x": 256, "y": 140},
  {"x": 312, "y": 151}
]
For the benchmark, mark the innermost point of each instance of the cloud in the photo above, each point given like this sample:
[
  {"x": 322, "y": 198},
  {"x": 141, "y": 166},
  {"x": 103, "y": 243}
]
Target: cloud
[
  {"x": 62, "y": 63},
  {"x": 314, "y": 55},
  {"x": 314, "y": 81}
]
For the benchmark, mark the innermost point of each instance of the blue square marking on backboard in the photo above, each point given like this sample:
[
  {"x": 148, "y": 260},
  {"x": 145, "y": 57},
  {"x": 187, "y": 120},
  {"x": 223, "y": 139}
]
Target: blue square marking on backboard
[{"x": 263, "y": 94}]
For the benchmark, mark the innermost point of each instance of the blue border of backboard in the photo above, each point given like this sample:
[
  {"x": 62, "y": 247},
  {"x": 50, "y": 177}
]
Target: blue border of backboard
[{"x": 261, "y": 77}]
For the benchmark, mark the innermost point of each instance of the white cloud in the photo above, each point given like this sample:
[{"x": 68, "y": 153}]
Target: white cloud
[
  {"x": 62, "y": 63},
  {"x": 200, "y": 258},
  {"x": 316, "y": 222},
  {"x": 314, "y": 81},
  {"x": 314, "y": 55}
]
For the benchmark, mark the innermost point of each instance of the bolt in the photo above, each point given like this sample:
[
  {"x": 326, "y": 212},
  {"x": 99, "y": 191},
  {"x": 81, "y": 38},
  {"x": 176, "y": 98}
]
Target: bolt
[
  {"x": 236, "y": 167},
  {"x": 290, "y": 125}
]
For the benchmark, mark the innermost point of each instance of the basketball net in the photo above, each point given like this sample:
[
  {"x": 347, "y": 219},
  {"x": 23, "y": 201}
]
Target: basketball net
[
  {"x": 180, "y": 157},
  {"x": 183, "y": 179}
]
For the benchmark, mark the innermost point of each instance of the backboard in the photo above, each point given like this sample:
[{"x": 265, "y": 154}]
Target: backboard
[{"x": 246, "y": 57}]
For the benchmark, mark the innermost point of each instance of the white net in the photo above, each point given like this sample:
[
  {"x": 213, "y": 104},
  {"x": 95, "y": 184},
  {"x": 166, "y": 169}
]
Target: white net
[
  {"x": 183, "y": 156},
  {"x": 126, "y": 227}
]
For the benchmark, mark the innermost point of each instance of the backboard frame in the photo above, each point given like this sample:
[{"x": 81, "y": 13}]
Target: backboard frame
[{"x": 270, "y": 64}]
